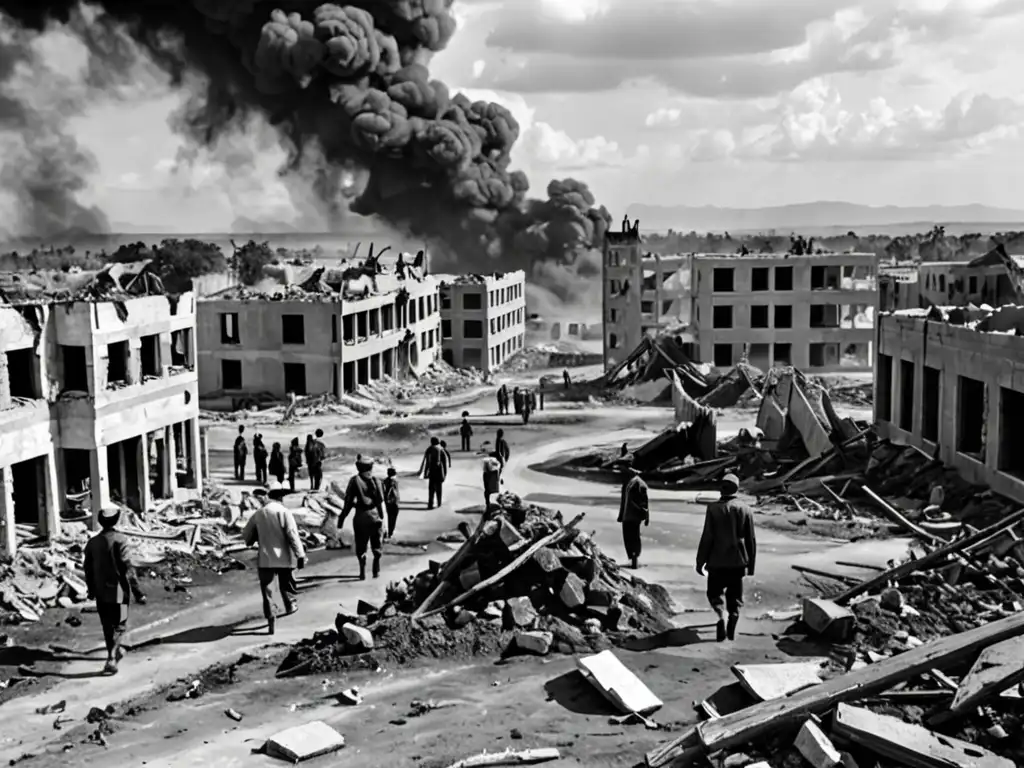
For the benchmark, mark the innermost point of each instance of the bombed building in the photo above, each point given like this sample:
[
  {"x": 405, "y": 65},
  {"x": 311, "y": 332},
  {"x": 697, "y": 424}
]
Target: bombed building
[
  {"x": 483, "y": 318},
  {"x": 98, "y": 396},
  {"x": 313, "y": 330}
]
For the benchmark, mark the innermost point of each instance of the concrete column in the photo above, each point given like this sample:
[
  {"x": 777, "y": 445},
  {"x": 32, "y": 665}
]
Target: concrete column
[
  {"x": 96, "y": 361},
  {"x": 380, "y": 323},
  {"x": 170, "y": 467},
  {"x": 142, "y": 457},
  {"x": 134, "y": 361},
  {"x": 8, "y": 537},
  {"x": 99, "y": 482},
  {"x": 203, "y": 457},
  {"x": 197, "y": 452},
  {"x": 5, "y": 383},
  {"x": 49, "y": 516}
]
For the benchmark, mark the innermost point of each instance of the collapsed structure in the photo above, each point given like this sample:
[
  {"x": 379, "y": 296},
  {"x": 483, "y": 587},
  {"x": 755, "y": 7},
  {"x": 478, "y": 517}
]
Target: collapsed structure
[
  {"x": 483, "y": 318},
  {"x": 98, "y": 396}
]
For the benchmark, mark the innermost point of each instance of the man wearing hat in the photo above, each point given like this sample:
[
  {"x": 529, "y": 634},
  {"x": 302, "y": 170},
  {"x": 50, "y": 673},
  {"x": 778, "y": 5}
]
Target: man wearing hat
[
  {"x": 634, "y": 511},
  {"x": 273, "y": 528},
  {"x": 110, "y": 577},
  {"x": 727, "y": 549},
  {"x": 366, "y": 496}
]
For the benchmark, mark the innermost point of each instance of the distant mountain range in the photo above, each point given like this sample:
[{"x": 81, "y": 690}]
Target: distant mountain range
[{"x": 825, "y": 218}]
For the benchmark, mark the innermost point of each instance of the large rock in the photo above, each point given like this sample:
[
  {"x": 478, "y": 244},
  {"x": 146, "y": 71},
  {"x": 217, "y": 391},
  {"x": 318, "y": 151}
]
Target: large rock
[
  {"x": 519, "y": 612},
  {"x": 304, "y": 742},
  {"x": 829, "y": 620},
  {"x": 509, "y": 536},
  {"x": 470, "y": 577},
  {"x": 600, "y": 598},
  {"x": 538, "y": 643},
  {"x": 550, "y": 563},
  {"x": 357, "y": 637},
  {"x": 573, "y": 593}
]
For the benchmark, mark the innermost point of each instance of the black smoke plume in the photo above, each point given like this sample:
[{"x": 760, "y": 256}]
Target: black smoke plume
[{"x": 353, "y": 81}]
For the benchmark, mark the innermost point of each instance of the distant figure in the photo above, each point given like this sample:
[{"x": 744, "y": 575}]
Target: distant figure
[
  {"x": 392, "y": 499},
  {"x": 276, "y": 465},
  {"x": 728, "y": 548},
  {"x": 466, "y": 431},
  {"x": 623, "y": 451},
  {"x": 272, "y": 527},
  {"x": 315, "y": 461},
  {"x": 241, "y": 451},
  {"x": 634, "y": 511},
  {"x": 531, "y": 398},
  {"x": 259, "y": 458},
  {"x": 307, "y": 451},
  {"x": 294, "y": 461},
  {"x": 566, "y": 379},
  {"x": 492, "y": 477},
  {"x": 434, "y": 468},
  {"x": 502, "y": 398},
  {"x": 501, "y": 447},
  {"x": 110, "y": 579},
  {"x": 447, "y": 453},
  {"x": 517, "y": 400},
  {"x": 527, "y": 406},
  {"x": 366, "y": 496}
]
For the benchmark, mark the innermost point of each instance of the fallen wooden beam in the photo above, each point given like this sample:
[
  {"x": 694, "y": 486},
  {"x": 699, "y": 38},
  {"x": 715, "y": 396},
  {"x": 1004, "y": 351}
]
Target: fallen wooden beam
[
  {"x": 865, "y": 566},
  {"x": 526, "y": 555},
  {"x": 897, "y": 517},
  {"x": 450, "y": 568},
  {"x": 738, "y": 729},
  {"x": 509, "y": 757},
  {"x": 848, "y": 580},
  {"x": 998, "y": 668},
  {"x": 684, "y": 744}
]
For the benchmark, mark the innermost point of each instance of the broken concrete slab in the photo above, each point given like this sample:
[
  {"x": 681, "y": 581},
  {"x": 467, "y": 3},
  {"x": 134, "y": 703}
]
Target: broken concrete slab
[
  {"x": 816, "y": 748},
  {"x": 771, "y": 419},
  {"x": 519, "y": 612},
  {"x": 828, "y": 619},
  {"x": 538, "y": 643},
  {"x": 774, "y": 681},
  {"x": 549, "y": 563},
  {"x": 618, "y": 684},
  {"x": 304, "y": 742},
  {"x": 802, "y": 416},
  {"x": 358, "y": 637},
  {"x": 509, "y": 536},
  {"x": 999, "y": 668},
  {"x": 573, "y": 592}
]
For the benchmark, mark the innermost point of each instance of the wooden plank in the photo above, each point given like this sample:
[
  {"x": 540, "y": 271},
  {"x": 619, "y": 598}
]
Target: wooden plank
[
  {"x": 774, "y": 681},
  {"x": 998, "y": 668},
  {"x": 865, "y": 566},
  {"x": 848, "y": 580},
  {"x": 682, "y": 744},
  {"x": 733, "y": 731},
  {"x": 910, "y": 745},
  {"x": 618, "y": 684},
  {"x": 451, "y": 567},
  {"x": 509, "y": 757},
  {"x": 895, "y": 516}
]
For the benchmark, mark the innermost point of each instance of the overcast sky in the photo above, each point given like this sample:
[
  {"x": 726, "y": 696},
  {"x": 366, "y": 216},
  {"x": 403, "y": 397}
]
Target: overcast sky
[{"x": 739, "y": 103}]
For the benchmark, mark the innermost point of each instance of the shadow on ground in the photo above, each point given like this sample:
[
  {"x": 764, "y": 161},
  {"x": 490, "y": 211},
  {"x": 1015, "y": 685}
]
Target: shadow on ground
[
  {"x": 670, "y": 638},
  {"x": 574, "y": 693}
]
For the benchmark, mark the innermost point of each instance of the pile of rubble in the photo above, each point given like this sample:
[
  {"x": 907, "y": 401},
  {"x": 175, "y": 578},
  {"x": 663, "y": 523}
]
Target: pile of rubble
[
  {"x": 523, "y": 582},
  {"x": 923, "y": 668}
]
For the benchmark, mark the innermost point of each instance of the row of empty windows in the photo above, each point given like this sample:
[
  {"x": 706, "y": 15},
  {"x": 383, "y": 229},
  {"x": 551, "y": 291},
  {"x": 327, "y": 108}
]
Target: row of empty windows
[
  {"x": 618, "y": 258},
  {"x": 474, "y": 300},
  {"x": 501, "y": 352},
  {"x": 506, "y": 320},
  {"x": 355, "y": 372},
  {"x": 821, "y": 316},
  {"x": 829, "y": 278},
  {"x": 505, "y": 295}
]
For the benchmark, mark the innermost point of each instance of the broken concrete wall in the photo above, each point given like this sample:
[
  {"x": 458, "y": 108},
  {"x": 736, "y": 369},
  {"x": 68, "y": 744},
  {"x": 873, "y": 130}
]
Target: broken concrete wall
[
  {"x": 771, "y": 418},
  {"x": 802, "y": 415}
]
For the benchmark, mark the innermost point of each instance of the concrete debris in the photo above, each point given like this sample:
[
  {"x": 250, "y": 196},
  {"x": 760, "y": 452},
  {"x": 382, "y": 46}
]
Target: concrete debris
[
  {"x": 537, "y": 643},
  {"x": 509, "y": 757},
  {"x": 304, "y": 742}
]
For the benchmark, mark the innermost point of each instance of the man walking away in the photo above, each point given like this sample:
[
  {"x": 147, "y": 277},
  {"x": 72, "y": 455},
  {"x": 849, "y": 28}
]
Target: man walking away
[
  {"x": 392, "y": 499},
  {"x": 467, "y": 432},
  {"x": 517, "y": 400},
  {"x": 501, "y": 447},
  {"x": 727, "y": 549},
  {"x": 566, "y": 379},
  {"x": 273, "y": 527},
  {"x": 316, "y": 461},
  {"x": 276, "y": 465},
  {"x": 294, "y": 461},
  {"x": 365, "y": 495},
  {"x": 634, "y": 511},
  {"x": 110, "y": 577},
  {"x": 500, "y": 399},
  {"x": 259, "y": 458},
  {"x": 527, "y": 406},
  {"x": 307, "y": 451},
  {"x": 447, "y": 453},
  {"x": 504, "y": 399},
  {"x": 241, "y": 451},
  {"x": 434, "y": 468}
]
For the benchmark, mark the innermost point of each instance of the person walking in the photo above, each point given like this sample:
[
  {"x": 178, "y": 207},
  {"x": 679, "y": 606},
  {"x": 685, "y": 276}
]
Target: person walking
[
  {"x": 527, "y": 406},
  {"x": 447, "y": 453},
  {"x": 501, "y": 447},
  {"x": 727, "y": 550},
  {"x": 500, "y": 399},
  {"x": 276, "y": 465},
  {"x": 315, "y": 461},
  {"x": 392, "y": 499},
  {"x": 466, "y": 431},
  {"x": 272, "y": 527},
  {"x": 365, "y": 495},
  {"x": 111, "y": 581},
  {"x": 566, "y": 378},
  {"x": 294, "y": 461},
  {"x": 241, "y": 451},
  {"x": 517, "y": 400},
  {"x": 259, "y": 458},
  {"x": 634, "y": 511},
  {"x": 434, "y": 468},
  {"x": 492, "y": 477},
  {"x": 307, "y": 452},
  {"x": 504, "y": 399}
]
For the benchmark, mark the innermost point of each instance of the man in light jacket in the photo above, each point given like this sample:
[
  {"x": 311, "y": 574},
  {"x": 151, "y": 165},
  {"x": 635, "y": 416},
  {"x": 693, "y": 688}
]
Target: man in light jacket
[{"x": 273, "y": 527}]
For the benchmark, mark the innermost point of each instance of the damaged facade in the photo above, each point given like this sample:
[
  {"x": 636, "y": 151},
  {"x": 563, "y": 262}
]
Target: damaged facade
[
  {"x": 813, "y": 311},
  {"x": 98, "y": 399},
  {"x": 951, "y": 381},
  {"x": 322, "y": 332},
  {"x": 483, "y": 318},
  {"x": 994, "y": 279}
]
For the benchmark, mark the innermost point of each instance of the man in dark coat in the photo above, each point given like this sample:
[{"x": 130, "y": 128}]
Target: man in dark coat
[
  {"x": 317, "y": 454},
  {"x": 365, "y": 495},
  {"x": 634, "y": 511},
  {"x": 259, "y": 458},
  {"x": 241, "y": 451},
  {"x": 466, "y": 431},
  {"x": 517, "y": 400},
  {"x": 434, "y": 468},
  {"x": 501, "y": 446},
  {"x": 110, "y": 578},
  {"x": 727, "y": 549}
]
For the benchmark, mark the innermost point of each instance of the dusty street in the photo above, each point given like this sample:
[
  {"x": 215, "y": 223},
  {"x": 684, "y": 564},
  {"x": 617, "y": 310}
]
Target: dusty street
[{"x": 224, "y": 622}]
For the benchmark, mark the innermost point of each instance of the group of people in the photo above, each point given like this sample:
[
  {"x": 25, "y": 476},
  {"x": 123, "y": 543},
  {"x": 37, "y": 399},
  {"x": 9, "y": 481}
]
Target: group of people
[
  {"x": 274, "y": 463},
  {"x": 523, "y": 401},
  {"x": 726, "y": 552}
]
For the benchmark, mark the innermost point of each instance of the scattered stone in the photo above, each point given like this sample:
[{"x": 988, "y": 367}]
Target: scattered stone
[
  {"x": 462, "y": 617},
  {"x": 738, "y": 760},
  {"x": 573, "y": 592},
  {"x": 538, "y": 643},
  {"x": 892, "y": 600},
  {"x": 509, "y": 536},
  {"x": 516, "y": 734},
  {"x": 519, "y": 612},
  {"x": 304, "y": 742},
  {"x": 549, "y": 563},
  {"x": 816, "y": 748},
  {"x": 234, "y": 715},
  {"x": 358, "y": 637},
  {"x": 492, "y": 611},
  {"x": 470, "y": 577}
]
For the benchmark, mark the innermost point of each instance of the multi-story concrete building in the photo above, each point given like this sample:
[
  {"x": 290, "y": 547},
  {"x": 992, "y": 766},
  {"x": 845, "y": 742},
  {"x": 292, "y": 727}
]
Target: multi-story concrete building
[
  {"x": 988, "y": 279},
  {"x": 483, "y": 318},
  {"x": 320, "y": 334},
  {"x": 955, "y": 389},
  {"x": 98, "y": 396},
  {"x": 898, "y": 287}
]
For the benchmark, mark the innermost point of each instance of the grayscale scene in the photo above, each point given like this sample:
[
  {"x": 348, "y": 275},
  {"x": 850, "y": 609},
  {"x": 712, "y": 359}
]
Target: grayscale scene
[{"x": 464, "y": 383}]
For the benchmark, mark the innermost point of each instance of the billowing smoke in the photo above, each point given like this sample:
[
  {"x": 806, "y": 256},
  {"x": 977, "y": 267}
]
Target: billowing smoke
[{"x": 350, "y": 83}]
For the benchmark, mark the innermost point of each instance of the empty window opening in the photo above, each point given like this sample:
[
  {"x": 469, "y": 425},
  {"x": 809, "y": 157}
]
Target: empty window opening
[
  {"x": 181, "y": 348},
  {"x": 759, "y": 316},
  {"x": 942, "y": 282},
  {"x": 117, "y": 364},
  {"x": 159, "y": 475},
  {"x": 295, "y": 378},
  {"x": 722, "y": 280},
  {"x": 824, "y": 315},
  {"x": 783, "y": 354},
  {"x": 1011, "y": 436},
  {"x": 334, "y": 329},
  {"x": 721, "y": 317},
  {"x": 363, "y": 372},
  {"x": 389, "y": 362},
  {"x": 446, "y": 328},
  {"x": 29, "y": 491},
  {"x": 972, "y": 284},
  {"x": 231, "y": 374},
  {"x": 970, "y": 418},
  {"x": 75, "y": 371},
  {"x": 856, "y": 355},
  {"x": 646, "y": 307},
  {"x": 150, "y": 356},
  {"x": 124, "y": 479},
  {"x": 229, "y": 328},
  {"x": 760, "y": 355},
  {"x": 666, "y": 306},
  {"x": 883, "y": 389},
  {"x": 423, "y": 309},
  {"x": 930, "y": 388},
  {"x": 375, "y": 323},
  {"x": 907, "y": 395},
  {"x": 472, "y": 357},
  {"x": 783, "y": 316},
  {"x": 825, "y": 278},
  {"x": 723, "y": 355},
  {"x": 387, "y": 318},
  {"x": 823, "y": 354},
  {"x": 472, "y": 329},
  {"x": 77, "y": 475},
  {"x": 759, "y": 279},
  {"x": 375, "y": 367},
  {"x": 23, "y": 373},
  {"x": 613, "y": 315},
  {"x": 348, "y": 331},
  {"x": 783, "y": 278},
  {"x": 362, "y": 325},
  {"x": 348, "y": 371},
  {"x": 446, "y": 300},
  {"x": 613, "y": 341},
  {"x": 472, "y": 301},
  {"x": 293, "y": 329},
  {"x": 410, "y": 310}
]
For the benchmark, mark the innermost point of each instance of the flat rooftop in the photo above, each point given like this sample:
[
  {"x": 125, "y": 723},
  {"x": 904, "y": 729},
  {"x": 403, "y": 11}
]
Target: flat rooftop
[
  {"x": 320, "y": 283},
  {"x": 779, "y": 255},
  {"x": 478, "y": 278},
  {"x": 1007, "y": 320},
  {"x": 115, "y": 282}
]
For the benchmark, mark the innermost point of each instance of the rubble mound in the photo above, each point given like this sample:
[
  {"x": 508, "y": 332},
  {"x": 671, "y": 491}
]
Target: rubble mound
[{"x": 524, "y": 582}]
